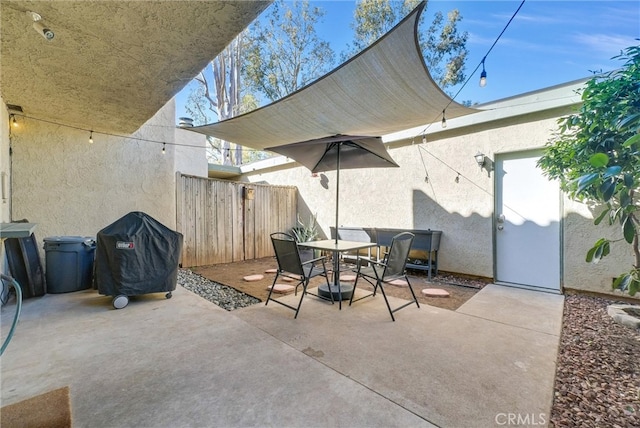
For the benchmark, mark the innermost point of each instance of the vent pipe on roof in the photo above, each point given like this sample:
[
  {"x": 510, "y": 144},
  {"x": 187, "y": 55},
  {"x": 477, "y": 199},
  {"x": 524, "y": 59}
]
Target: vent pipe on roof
[{"x": 185, "y": 122}]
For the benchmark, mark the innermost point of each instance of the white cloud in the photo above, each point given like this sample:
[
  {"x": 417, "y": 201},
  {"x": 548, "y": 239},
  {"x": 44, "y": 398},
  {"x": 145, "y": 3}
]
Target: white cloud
[{"x": 611, "y": 44}]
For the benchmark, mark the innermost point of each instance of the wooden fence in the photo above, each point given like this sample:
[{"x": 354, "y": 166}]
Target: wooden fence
[{"x": 224, "y": 221}]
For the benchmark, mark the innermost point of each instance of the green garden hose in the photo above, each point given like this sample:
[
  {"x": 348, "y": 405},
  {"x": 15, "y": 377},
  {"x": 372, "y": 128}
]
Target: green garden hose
[{"x": 18, "y": 289}]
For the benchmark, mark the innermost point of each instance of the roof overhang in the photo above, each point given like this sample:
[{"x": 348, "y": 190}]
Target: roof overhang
[
  {"x": 111, "y": 64},
  {"x": 384, "y": 89},
  {"x": 224, "y": 171}
]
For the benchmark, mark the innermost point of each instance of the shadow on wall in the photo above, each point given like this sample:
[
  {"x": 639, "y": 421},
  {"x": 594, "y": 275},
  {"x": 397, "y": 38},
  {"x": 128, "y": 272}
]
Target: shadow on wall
[
  {"x": 306, "y": 213},
  {"x": 467, "y": 242},
  {"x": 580, "y": 234}
]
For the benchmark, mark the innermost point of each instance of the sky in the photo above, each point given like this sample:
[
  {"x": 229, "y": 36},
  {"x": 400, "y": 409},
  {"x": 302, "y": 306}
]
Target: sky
[{"x": 548, "y": 42}]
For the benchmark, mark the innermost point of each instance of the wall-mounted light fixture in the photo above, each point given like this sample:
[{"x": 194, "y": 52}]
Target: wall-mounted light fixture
[
  {"x": 484, "y": 162},
  {"x": 39, "y": 26}
]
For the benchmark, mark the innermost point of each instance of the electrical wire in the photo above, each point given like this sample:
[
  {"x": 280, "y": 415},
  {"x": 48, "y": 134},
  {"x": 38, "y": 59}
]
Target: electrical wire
[
  {"x": 475, "y": 69},
  {"x": 93, "y": 132}
]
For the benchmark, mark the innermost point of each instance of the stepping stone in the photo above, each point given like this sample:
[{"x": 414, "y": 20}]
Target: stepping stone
[
  {"x": 251, "y": 278},
  {"x": 271, "y": 271},
  {"x": 281, "y": 288},
  {"x": 347, "y": 278},
  {"x": 435, "y": 292},
  {"x": 399, "y": 283}
]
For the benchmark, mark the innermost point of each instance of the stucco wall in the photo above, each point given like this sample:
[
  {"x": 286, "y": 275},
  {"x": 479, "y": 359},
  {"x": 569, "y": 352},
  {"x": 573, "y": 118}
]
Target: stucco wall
[
  {"x": 191, "y": 153},
  {"x": 4, "y": 169},
  {"x": 5, "y": 164},
  {"x": 463, "y": 210},
  {"x": 70, "y": 187}
]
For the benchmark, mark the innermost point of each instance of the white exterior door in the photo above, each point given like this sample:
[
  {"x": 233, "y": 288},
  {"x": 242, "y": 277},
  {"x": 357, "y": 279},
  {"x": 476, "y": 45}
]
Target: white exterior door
[{"x": 527, "y": 224}]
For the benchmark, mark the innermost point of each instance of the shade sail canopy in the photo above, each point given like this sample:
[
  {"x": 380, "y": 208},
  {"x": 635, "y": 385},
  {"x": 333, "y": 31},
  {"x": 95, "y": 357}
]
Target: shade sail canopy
[
  {"x": 384, "y": 89},
  {"x": 321, "y": 154}
]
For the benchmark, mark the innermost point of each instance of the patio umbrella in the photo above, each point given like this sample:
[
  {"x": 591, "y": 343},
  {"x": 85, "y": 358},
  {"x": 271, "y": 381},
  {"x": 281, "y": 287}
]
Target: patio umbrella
[{"x": 338, "y": 152}]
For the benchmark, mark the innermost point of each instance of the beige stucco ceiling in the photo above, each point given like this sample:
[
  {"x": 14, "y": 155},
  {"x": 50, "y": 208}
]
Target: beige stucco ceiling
[{"x": 112, "y": 64}]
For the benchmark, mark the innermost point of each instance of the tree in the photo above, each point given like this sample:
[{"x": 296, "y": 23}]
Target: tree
[
  {"x": 596, "y": 157},
  {"x": 443, "y": 47},
  {"x": 220, "y": 94},
  {"x": 285, "y": 53}
]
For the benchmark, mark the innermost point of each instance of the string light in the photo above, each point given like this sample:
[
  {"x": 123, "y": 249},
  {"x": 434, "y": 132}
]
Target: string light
[
  {"x": 14, "y": 122},
  {"x": 163, "y": 148},
  {"x": 458, "y": 178},
  {"x": 91, "y": 137},
  {"x": 424, "y": 138},
  {"x": 483, "y": 74}
]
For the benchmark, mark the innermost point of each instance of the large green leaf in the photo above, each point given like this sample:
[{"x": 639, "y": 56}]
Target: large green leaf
[
  {"x": 629, "y": 119},
  {"x": 599, "y": 160},
  {"x": 622, "y": 282},
  {"x": 625, "y": 198},
  {"x": 628, "y": 229},
  {"x": 631, "y": 141},
  {"x": 612, "y": 171},
  {"x": 586, "y": 180},
  {"x": 602, "y": 215},
  {"x": 599, "y": 250},
  {"x": 608, "y": 188}
]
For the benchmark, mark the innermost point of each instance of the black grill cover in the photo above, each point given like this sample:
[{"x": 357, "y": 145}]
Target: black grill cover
[{"x": 136, "y": 255}]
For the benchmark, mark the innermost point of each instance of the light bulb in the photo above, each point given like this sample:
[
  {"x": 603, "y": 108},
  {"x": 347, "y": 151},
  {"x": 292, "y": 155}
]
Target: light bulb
[
  {"x": 424, "y": 139},
  {"x": 14, "y": 122},
  {"x": 483, "y": 75},
  {"x": 91, "y": 137},
  {"x": 444, "y": 120},
  {"x": 163, "y": 148}
]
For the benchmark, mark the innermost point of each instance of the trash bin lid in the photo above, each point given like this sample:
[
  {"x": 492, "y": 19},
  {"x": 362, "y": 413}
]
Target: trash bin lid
[{"x": 68, "y": 239}]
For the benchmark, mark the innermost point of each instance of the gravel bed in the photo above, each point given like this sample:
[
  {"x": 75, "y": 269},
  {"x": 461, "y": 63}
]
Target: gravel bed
[
  {"x": 597, "y": 380},
  {"x": 226, "y": 297}
]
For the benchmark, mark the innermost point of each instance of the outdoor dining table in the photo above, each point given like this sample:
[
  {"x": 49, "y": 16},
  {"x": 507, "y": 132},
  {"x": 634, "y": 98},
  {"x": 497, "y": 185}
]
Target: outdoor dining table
[{"x": 336, "y": 247}]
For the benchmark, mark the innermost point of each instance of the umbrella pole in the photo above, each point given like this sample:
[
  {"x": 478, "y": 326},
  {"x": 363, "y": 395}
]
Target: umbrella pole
[{"x": 337, "y": 189}]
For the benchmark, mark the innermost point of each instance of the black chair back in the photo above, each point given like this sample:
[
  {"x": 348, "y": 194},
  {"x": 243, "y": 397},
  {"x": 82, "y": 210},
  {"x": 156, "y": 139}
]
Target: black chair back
[
  {"x": 287, "y": 254},
  {"x": 396, "y": 261}
]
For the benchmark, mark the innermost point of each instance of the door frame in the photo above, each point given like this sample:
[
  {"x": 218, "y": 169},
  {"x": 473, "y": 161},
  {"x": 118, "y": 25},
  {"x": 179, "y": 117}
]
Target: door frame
[{"x": 525, "y": 153}]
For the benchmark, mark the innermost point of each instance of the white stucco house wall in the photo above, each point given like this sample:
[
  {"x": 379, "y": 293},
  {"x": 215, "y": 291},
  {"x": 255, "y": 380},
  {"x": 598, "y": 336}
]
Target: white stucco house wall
[
  {"x": 463, "y": 201},
  {"x": 69, "y": 187}
]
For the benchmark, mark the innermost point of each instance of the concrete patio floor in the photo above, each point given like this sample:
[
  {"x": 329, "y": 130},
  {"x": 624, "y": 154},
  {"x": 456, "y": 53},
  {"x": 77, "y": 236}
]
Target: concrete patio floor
[{"x": 186, "y": 362}]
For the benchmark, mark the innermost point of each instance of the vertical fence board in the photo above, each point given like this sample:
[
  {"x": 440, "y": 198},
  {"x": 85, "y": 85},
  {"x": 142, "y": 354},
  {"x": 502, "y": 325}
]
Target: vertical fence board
[{"x": 219, "y": 226}]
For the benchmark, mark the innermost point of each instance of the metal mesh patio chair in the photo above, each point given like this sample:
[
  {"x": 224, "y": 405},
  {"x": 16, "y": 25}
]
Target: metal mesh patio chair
[
  {"x": 392, "y": 267},
  {"x": 291, "y": 266}
]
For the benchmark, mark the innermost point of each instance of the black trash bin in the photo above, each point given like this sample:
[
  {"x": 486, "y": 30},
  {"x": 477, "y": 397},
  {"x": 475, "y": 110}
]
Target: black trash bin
[{"x": 69, "y": 263}]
